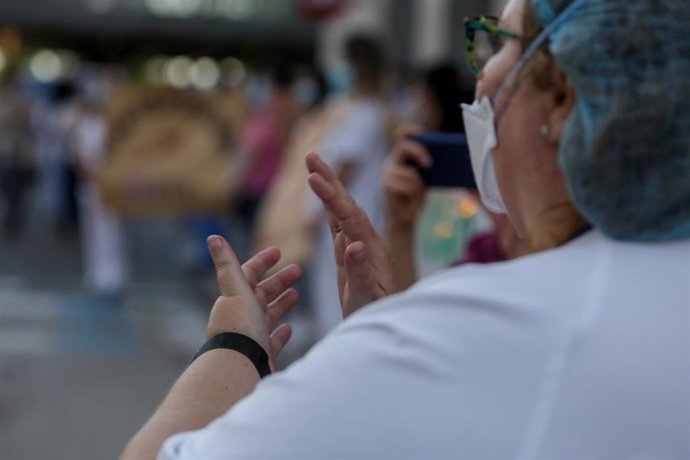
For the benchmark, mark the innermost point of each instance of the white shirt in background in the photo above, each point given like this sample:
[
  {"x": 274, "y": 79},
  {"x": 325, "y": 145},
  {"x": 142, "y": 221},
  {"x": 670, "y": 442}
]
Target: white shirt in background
[{"x": 103, "y": 239}]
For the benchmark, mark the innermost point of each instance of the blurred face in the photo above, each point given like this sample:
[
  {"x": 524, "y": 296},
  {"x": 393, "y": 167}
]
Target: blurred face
[
  {"x": 522, "y": 153},
  {"x": 428, "y": 109}
]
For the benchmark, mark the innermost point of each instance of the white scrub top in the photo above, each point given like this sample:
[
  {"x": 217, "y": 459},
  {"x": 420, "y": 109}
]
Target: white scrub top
[{"x": 582, "y": 352}]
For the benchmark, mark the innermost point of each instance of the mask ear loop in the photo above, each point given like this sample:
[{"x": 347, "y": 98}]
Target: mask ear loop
[{"x": 534, "y": 46}]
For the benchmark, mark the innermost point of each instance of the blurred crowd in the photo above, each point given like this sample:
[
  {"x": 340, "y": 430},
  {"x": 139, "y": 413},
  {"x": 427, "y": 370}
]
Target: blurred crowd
[{"x": 59, "y": 142}]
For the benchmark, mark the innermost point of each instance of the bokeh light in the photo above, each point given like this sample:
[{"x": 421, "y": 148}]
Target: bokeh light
[
  {"x": 205, "y": 74},
  {"x": 46, "y": 66},
  {"x": 177, "y": 72},
  {"x": 233, "y": 71}
]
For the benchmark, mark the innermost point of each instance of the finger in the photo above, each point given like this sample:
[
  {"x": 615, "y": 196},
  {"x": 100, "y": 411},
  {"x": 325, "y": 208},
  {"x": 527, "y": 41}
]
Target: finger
[
  {"x": 339, "y": 244},
  {"x": 403, "y": 179},
  {"x": 281, "y": 306},
  {"x": 278, "y": 340},
  {"x": 350, "y": 218},
  {"x": 362, "y": 281},
  {"x": 269, "y": 289},
  {"x": 341, "y": 277},
  {"x": 410, "y": 151},
  {"x": 328, "y": 193},
  {"x": 404, "y": 190},
  {"x": 406, "y": 130},
  {"x": 231, "y": 280},
  {"x": 316, "y": 164},
  {"x": 326, "y": 179},
  {"x": 333, "y": 225},
  {"x": 392, "y": 171},
  {"x": 327, "y": 184},
  {"x": 256, "y": 267}
]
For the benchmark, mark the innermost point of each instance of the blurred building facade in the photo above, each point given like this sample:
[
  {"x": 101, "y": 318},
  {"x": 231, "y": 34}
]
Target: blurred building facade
[
  {"x": 420, "y": 32},
  {"x": 201, "y": 20}
]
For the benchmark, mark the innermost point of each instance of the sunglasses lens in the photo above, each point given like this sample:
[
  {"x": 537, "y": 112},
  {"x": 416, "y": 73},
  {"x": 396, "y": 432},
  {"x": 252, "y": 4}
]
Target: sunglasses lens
[{"x": 485, "y": 46}]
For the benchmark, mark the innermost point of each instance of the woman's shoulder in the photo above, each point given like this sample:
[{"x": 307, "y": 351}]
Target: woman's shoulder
[{"x": 554, "y": 284}]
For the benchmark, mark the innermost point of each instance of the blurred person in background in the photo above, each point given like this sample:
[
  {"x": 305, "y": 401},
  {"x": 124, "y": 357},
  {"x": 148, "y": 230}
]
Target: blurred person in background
[
  {"x": 578, "y": 350},
  {"x": 17, "y": 162},
  {"x": 355, "y": 146},
  {"x": 262, "y": 144},
  {"x": 102, "y": 233},
  {"x": 285, "y": 219},
  {"x": 52, "y": 119},
  {"x": 439, "y": 96},
  {"x": 438, "y": 106}
]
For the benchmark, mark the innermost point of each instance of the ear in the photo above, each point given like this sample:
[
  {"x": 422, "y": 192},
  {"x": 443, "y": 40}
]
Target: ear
[{"x": 565, "y": 98}]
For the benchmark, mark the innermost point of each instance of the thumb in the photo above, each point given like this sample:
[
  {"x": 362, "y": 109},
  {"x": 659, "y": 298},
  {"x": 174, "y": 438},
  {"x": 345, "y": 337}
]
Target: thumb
[
  {"x": 278, "y": 340},
  {"x": 361, "y": 277},
  {"x": 231, "y": 279}
]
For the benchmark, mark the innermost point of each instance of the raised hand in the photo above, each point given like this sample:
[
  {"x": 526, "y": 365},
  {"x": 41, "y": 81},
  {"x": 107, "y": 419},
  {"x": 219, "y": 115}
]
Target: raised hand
[
  {"x": 365, "y": 272},
  {"x": 209, "y": 387},
  {"x": 403, "y": 186},
  {"x": 405, "y": 194},
  {"x": 249, "y": 305}
]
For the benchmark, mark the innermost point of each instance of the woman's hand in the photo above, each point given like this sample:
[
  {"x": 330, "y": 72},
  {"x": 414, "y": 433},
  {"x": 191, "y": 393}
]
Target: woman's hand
[
  {"x": 365, "y": 271},
  {"x": 248, "y": 305},
  {"x": 403, "y": 186},
  {"x": 216, "y": 381}
]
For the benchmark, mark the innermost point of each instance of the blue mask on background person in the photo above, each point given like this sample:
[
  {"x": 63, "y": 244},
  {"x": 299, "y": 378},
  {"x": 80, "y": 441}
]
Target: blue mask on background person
[
  {"x": 340, "y": 78},
  {"x": 306, "y": 91}
]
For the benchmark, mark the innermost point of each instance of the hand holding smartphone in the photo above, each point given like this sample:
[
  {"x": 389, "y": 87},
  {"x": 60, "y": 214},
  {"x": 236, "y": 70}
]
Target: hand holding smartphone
[{"x": 451, "y": 160}]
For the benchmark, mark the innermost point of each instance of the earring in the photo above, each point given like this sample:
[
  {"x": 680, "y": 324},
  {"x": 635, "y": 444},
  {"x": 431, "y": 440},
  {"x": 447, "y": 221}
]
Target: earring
[{"x": 545, "y": 130}]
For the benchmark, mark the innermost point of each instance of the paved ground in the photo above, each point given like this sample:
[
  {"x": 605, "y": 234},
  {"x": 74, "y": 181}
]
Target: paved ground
[{"x": 78, "y": 373}]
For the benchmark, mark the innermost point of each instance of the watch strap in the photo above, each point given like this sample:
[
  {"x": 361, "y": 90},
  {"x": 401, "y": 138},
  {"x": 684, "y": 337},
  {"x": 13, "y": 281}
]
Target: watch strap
[{"x": 241, "y": 344}]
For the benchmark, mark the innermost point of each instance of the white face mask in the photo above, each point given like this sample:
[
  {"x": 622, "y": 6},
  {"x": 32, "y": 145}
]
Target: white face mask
[{"x": 480, "y": 129}]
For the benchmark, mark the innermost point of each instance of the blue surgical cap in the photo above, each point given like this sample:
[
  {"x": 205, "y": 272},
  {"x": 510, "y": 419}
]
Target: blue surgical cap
[{"x": 625, "y": 150}]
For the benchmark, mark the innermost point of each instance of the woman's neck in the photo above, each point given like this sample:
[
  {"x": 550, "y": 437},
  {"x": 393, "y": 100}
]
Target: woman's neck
[{"x": 553, "y": 227}]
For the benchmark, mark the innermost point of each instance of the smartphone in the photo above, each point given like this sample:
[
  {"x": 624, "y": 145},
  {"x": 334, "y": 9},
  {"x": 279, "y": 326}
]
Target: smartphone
[{"x": 452, "y": 166}]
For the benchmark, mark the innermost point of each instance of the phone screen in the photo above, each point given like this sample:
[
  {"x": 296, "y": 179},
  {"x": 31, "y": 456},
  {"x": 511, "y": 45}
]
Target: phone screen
[{"x": 451, "y": 155}]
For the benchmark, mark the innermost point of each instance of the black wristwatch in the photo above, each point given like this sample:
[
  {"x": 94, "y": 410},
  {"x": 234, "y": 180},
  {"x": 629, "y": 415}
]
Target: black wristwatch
[{"x": 242, "y": 344}]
